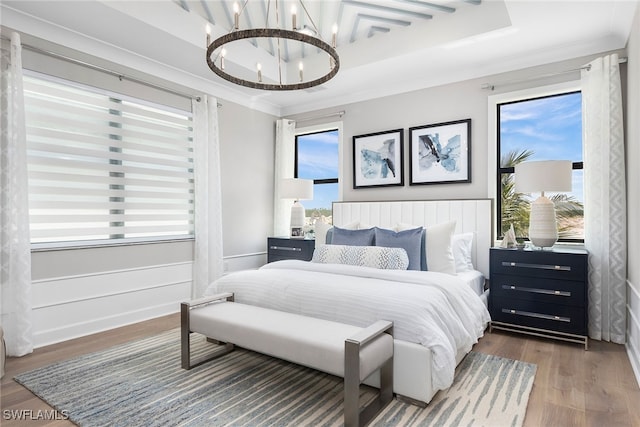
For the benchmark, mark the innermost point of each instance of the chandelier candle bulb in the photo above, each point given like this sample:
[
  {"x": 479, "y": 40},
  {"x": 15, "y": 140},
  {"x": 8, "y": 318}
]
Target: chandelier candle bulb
[
  {"x": 301, "y": 68},
  {"x": 222, "y": 54},
  {"x": 236, "y": 16},
  {"x": 259, "y": 72},
  {"x": 334, "y": 31},
  {"x": 207, "y": 28},
  {"x": 293, "y": 17}
]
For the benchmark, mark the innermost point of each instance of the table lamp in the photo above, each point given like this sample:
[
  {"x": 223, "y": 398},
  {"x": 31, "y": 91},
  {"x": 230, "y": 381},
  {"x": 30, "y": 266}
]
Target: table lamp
[
  {"x": 297, "y": 189},
  {"x": 538, "y": 177}
]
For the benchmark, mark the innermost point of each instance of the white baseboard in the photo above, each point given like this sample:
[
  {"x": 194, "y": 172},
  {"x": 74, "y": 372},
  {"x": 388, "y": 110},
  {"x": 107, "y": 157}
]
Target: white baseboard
[{"x": 68, "y": 332}]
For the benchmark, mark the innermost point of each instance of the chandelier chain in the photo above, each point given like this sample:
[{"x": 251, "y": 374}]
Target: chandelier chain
[{"x": 278, "y": 41}]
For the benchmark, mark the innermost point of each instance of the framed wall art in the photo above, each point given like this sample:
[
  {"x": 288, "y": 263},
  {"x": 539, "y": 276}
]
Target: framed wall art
[
  {"x": 378, "y": 159},
  {"x": 440, "y": 153}
]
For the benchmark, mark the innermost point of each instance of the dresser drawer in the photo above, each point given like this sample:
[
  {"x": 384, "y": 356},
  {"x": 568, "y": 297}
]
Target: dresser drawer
[
  {"x": 554, "y": 317},
  {"x": 282, "y": 248},
  {"x": 540, "y": 264},
  {"x": 552, "y": 291}
]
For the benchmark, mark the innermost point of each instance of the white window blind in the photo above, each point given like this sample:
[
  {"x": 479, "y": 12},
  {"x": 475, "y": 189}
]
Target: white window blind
[{"x": 105, "y": 167}]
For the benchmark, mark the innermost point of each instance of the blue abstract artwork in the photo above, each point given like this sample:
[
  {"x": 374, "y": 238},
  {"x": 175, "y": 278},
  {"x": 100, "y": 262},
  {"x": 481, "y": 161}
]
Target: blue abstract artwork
[
  {"x": 378, "y": 163},
  {"x": 431, "y": 152},
  {"x": 440, "y": 153},
  {"x": 377, "y": 159}
]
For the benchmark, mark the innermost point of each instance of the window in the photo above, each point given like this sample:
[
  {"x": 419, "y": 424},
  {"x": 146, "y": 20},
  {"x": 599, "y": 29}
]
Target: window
[
  {"x": 105, "y": 168},
  {"x": 543, "y": 128},
  {"x": 316, "y": 158}
]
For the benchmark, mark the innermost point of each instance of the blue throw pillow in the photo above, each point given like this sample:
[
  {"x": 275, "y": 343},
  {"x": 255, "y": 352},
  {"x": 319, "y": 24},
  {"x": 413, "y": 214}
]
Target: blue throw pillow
[
  {"x": 409, "y": 240},
  {"x": 344, "y": 236}
]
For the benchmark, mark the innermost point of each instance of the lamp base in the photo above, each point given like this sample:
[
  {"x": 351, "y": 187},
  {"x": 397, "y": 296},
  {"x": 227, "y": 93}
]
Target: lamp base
[
  {"x": 543, "y": 229},
  {"x": 297, "y": 221}
]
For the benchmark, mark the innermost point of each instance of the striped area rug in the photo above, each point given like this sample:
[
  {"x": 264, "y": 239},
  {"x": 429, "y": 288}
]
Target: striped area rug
[{"x": 141, "y": 384}]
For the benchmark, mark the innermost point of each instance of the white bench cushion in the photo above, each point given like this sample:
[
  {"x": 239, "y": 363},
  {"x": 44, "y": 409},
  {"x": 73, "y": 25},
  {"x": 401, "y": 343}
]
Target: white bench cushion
[{"x": 307, "y": 341}]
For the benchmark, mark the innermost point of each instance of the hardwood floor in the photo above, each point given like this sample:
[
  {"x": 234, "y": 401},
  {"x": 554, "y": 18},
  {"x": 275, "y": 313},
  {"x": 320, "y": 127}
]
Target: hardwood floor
[{"x": 572, "y": 387}]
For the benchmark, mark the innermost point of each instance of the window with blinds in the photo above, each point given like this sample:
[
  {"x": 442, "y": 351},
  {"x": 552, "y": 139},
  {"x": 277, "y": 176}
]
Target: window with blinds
[{"x": 105, "y": 168}]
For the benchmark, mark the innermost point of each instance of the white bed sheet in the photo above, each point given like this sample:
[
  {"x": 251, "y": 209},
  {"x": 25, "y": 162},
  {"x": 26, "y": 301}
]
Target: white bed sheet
[
  {"x": 436, "y": 310},
  {"x": 474, "y": 279}
]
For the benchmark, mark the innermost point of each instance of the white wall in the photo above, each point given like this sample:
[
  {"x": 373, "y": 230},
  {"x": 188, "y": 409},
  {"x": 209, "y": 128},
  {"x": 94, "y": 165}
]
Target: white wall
[
  {"x": 80, "y": 291},
  {"x": 435, "y": 105},
  {"x": 247, "y": 147},
  {"x": 633, "y": 196}
]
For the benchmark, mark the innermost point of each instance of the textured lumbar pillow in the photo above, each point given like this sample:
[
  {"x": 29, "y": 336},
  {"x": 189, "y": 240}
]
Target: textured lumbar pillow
[{"x": 365, "y": 256}]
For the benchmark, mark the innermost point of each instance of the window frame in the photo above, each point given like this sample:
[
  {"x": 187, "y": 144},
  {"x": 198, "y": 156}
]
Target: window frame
[
  {"x": 315, "y": 129},
  {"x": 494, "y": 168},
  {"x": 117, "y": 240}
]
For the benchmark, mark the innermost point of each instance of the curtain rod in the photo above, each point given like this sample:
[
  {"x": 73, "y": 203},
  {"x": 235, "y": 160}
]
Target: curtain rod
[
  {"x": 587, "y": 67},
  {"x": 307, "y": 119},
  {"x": 120, "y": 76}
]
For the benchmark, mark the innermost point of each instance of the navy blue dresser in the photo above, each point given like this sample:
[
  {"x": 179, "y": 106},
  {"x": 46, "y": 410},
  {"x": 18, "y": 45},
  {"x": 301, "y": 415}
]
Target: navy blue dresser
[{"x": 540, "y": 292}]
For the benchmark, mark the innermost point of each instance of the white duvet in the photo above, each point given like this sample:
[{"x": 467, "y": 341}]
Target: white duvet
[{"x": 436, "y": 310}]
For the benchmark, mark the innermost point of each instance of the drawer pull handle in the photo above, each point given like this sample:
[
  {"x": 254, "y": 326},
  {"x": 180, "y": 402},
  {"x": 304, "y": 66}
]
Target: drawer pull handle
[
  {"x": 537, "y": 290},
  {"x": 536, "y": 266},
  {"x": 285, "y": 248},
  {"x": 537, "y": 315}
]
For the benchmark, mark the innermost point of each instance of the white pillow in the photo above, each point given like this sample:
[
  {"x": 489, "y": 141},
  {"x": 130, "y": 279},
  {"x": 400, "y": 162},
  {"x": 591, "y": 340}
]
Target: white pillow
[
  {"x": 438, "y": 248},
  {"x": 461, "y": 245},
  {"x": 351, "y": 225},
  {"x": 320, "y": 231},
  {"x": 365, "y": 256},
  {"x": 356, "y": 225}
]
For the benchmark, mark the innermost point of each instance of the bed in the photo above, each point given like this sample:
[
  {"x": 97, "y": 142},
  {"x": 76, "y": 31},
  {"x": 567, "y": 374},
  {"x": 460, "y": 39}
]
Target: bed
[{"x": 438, "y": 315}]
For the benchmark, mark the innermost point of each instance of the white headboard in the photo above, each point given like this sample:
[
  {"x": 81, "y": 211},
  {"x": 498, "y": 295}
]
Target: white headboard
[{"x": 470, "y": 215}]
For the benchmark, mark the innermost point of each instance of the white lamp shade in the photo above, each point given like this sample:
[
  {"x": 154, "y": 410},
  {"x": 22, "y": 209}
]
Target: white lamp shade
[
  {"x": 541, "y": 176},
  {"x": 298, "y": 189}
]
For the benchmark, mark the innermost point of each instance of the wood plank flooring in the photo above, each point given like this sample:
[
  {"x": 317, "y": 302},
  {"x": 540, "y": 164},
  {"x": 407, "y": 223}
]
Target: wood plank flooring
[{"x": 573, "y": 387}]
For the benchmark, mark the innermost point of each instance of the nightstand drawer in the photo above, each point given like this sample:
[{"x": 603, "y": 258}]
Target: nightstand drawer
[
  {"x": 546, "y": 291},
  {"x": 553, "y": 317},
  {"x": 281, "y": 248},
  {"x": 541, "y": 264}
]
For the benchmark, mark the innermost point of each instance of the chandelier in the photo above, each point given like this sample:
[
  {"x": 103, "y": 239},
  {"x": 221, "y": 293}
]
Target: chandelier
[{"x": 306, "y": 38}]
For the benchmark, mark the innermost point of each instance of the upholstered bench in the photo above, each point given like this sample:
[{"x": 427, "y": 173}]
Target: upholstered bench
[{"x": 343, "y": 350}]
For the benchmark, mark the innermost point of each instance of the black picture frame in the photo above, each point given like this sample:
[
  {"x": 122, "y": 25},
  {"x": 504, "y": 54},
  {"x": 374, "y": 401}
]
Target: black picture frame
[
  {"x": 440, "y": 153},
  {"x": 296, "y": 233},
  {"x": 378, "y": 159}
]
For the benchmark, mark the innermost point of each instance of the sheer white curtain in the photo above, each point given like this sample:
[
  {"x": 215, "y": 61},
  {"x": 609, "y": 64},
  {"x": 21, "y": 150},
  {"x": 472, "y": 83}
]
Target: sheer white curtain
[
  {"x": 605, "y": 213},
  {"x": 208, "y": 262},
  {"x": 283, "y": 168},
  {"x": 15, "y": 247}
]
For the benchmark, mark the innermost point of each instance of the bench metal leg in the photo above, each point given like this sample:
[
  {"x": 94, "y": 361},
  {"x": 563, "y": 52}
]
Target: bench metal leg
[
  {"x": 185, "y": 343},
  {"x": 354, "y": 416}
]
